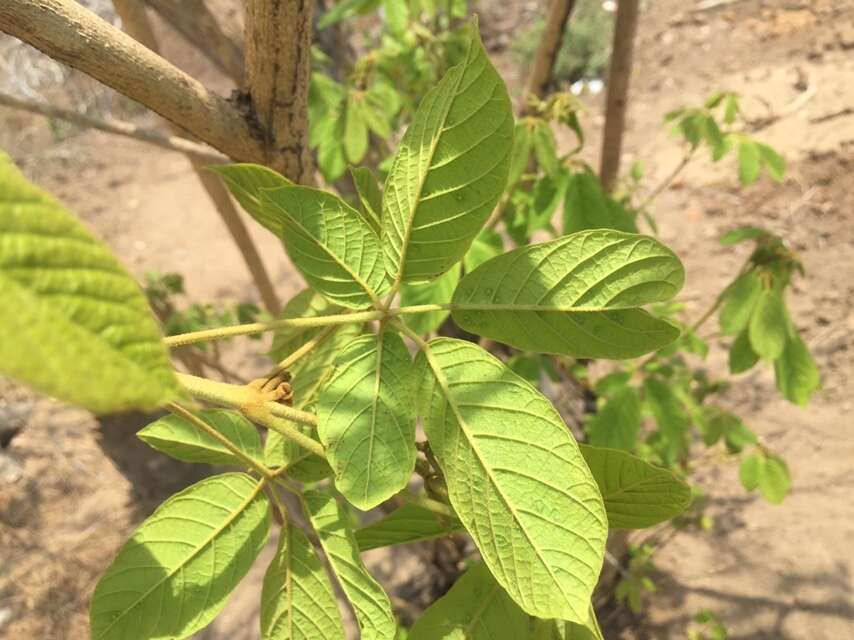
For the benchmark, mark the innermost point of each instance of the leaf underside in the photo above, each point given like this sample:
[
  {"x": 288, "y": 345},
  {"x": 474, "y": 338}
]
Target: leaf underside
[
  {"x": 176, "y": 572},
  {"x": 449, "y": 170},
  {"x": 577, "y": 295},
  {"x": 75, "y": 324},
  {"x": 515, "y": 478},
  {"x": 366, "y": 419},
  {"x": 409, "y": 523}
]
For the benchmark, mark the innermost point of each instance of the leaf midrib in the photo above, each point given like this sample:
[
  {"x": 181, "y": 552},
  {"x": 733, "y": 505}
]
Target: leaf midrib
[
  {"x": 440, "y": 378},
  {"x": 216, "y": 532}
]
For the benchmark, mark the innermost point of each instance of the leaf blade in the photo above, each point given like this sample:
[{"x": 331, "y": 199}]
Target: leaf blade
[
  {"x": 409, "y": 523},
  {"x": 83, "y": 331},
  {"x": 577, "y": 295},
  {"x": 485, "y": 467},
  {"x": 437, "y": 195},
  {"x": 177, "y": 546}
]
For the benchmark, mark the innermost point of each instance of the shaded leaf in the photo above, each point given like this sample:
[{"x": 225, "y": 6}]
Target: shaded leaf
[
  {"x": 617, "y": 424},
  {"x": 366, "y": 419},
  {"x": 488, "y": 244},
  {"x": 306, "y": 304},
  {"x": 330, "y": 244},
  {"x": 773, "y": 162},
  {"x": 297, "y": 601},
  {"x": 587, "y": 206},
  {"x": 409, "y": 523},
  {"x": 636, "y": 494},
  {"x": 182, "y": 440},
  {"x": 75, "y": 325},
  {"x": 450, "y": 169},
  {"x": 796, "y": 372},
  {"x": 515, "y": 478},
  {"x": 355, "y": 130},
  {"x": 748, "y": 162},
  {"x": 475, "y": 608},
  {"x": 741, "y": 298},
  {"x": 742, "y": 357},
  {"x": 438, "y": 291},
  {"x": 177, "y": 570},
  {"x": 577, "y": 295},
  {"x": 741, "y": 234},
  {"x": 769, "y": 325},
  {"x": 370, "y": 195},
  {"x": 370, "y": 602}
]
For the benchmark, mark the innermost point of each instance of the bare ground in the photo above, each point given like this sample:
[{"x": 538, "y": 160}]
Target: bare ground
[{"x": 769, "y": 572}]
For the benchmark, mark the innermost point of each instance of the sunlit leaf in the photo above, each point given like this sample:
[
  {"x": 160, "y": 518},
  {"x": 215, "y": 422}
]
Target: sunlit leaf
[
  {"x": 177, "y": 570},
  {"x": 439, "y": 291},
  {"x": 742, "y": 357},
  {"x": 297, "y": 601},
  {"x": 748, "y": 162},
  {"x": 330, "y": 244},
  {"x": 177, "y": 437},
  {"x": 366, "y": 419},
  {"x": 449, "y": 171},
  {"x": 370, "y": 602},
  {"x": 245, "y": 181},
  {"x": 577, "y": 295},
  {"x": 636, "y": 494},
  {"x": 515, "y": 477},
  {"x": 75, "y": 325}
]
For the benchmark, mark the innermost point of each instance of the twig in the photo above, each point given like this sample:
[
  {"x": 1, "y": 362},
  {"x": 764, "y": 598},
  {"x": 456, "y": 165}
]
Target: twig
[
  {"x": 547, "y": 50},
  {"x": 117, "y": 127},
  {"x": 664, "y": 184}
]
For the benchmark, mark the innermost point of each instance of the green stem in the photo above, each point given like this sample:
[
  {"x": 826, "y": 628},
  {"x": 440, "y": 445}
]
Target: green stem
[
  {"x": 201, "y": 425},
  {"x": 304, "y": 350},
  {"x": 253, "y": 404},
  {"x": 260, "y": 327}
]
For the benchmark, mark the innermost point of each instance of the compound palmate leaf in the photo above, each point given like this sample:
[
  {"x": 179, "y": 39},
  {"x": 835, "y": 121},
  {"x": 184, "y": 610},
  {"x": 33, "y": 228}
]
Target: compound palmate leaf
[
  {"x": 370, "y": 602},
  {"x": 476, "y": 608},
  {"x": 366, "y": 419},
  {"x": 74, "y": 323},
  {"x": 449, "y": 171},
  {"x": 177, "y": 437},
  {"x": 176, "y": 572},
  {"x": 330, "y": 244},
  {"x": 515, "y": 478},
  {"x": 636, "y": 493},
  {"x": 297, "y": 601},
  {"x": 577, "y": 295}
]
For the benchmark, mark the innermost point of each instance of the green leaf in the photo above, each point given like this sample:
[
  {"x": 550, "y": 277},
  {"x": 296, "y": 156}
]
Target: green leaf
[
  {"x": 742, "y": 357},
  {"x": 796, "y": 371},
  {"x": 741, "y": 298},
  {"x": 774, "y": 480},
  {"x": 370, "y": 195},
  {"x": 669, "y": 415},
  {"x": 370, "y": 602},
  {"x": 740, "y": 234},
  {"x": 488, "y": 244},
  {"x": 182, "y": 440},
  {"x": 450, "y": 169},
  {"x": 559, "y": 630},
  {"x": 245, "y": 181},
  {"x": 748, "y": 162},
  {"x": 75, "y": 325},
  {"x": 523, "y": 147},
  {"x": 438, "y": 291},
  {"x": 617, "y": 424},
  {"x": 749, "y": 471},
  {"x": 409, "y": 523},
  {"x": 297, "y": 601},
  {"x": 475, "y": 608},
  {"x": 636, "y": 494},
  {"x": 176, "y": 572},
  {"x": 545, "y": 148},
  {"x": 366, "y": 419},
  {"x": 355, "y": 130},
  {"x": 769, "y": 323},
  {"x": 587, "y": 206},
  {"x": 343, "y": 10},
  {"x": 330, "y": 244},
  {"x": 515, "y": 477},
  {"x": 305, "y": 304},
  {"x": 773, "y": 162},
  {"x": 576, "y": 295}
]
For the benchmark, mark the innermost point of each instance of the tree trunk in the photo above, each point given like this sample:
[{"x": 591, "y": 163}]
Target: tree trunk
[
  {"x": 550, "y": 41},
  {"x": 618, "y": 90},
  {"x": 278, "y": 68}
]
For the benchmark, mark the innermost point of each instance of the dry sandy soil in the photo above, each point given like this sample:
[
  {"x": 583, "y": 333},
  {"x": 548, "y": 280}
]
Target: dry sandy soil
[{"x": 769, "y": 572}]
